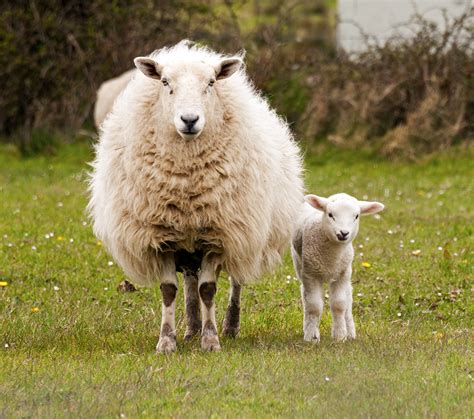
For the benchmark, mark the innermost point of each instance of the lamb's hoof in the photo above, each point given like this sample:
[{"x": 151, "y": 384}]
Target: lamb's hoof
[
  {"x": 166, "y": 345},
  {"x": 312, "y": 337},
  {"x": 230, "y": 331},
  {"x": 190, "y": 333},
  {"x": 210, "y": 344},
  {"x": 339, "y": 337}
]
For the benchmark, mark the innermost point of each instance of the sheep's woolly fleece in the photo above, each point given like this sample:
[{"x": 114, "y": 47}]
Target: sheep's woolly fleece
[{"x": 235, "y": 190}]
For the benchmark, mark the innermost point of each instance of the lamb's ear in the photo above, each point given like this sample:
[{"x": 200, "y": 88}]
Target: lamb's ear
[
  {"x": 148, "y": 67},
  {"x": 367, "y": 207},
  {"x": 227, "y": 67},
  {"x": 317, "y": 202}
]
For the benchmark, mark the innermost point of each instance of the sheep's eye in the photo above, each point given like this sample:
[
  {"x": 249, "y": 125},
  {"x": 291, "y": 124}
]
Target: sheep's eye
[
  {"x": 331, "y": 216},
  {"x": 165, "y": 82},
  {"x": 357, "y": 216},
  {"x": 211, "y": 83}
]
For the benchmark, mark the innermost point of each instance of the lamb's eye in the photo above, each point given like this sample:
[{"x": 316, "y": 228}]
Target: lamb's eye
[
  {"x": 165, "y": 82},
  {"x": 357, "y": 216},
  {"x": 211, "y": 83},
  {"x": 331, "y": 216}
]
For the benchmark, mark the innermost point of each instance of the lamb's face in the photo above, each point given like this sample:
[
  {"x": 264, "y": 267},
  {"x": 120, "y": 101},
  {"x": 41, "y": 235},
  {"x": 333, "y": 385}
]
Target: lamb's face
[
  {"x": 341, "y": 214},
  {"x": 188, "y": 91}
]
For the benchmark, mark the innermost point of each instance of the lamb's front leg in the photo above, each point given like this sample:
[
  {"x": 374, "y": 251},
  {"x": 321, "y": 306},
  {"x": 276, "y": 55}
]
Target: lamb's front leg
[
  {"x": 351, "y": 332},
  {"x": 312, "y": 297},
  {"x": 169, "y": 288},
  {"x": 210, "y": 268},
  {"x": 191, "y": 298},
  {"x": 232, "y": 316},
  {"x": 340, "y": 298}
]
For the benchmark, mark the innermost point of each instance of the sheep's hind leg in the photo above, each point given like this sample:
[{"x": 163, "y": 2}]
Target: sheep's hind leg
[
  {"x": 191, "y": 297},
  {"x": 231, "y": 324},
  {"x": 207, "y": 289},
  {"x": 350, "y": 326},
  {"x": 169, "y": 288}
]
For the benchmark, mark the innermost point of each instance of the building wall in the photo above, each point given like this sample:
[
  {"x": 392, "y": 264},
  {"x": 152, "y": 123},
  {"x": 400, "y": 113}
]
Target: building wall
[{"x": 383, "y": 18}]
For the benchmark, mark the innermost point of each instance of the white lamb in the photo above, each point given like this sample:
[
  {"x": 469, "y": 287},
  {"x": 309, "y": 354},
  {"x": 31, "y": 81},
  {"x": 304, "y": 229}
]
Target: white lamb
[
  {"x": 322, "y": 251},
  {"x": 194, "y": 172}
]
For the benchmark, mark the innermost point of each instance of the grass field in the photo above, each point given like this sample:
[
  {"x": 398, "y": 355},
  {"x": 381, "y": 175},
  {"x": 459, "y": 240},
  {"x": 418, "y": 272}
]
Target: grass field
[{"x": 71, "y": 345}]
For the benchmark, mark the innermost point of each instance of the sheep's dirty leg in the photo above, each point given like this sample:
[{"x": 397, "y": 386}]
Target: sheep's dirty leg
[
  {"x": 231, "y": 324},
  {"x": 338, "y": 291},
  {"x": 191, "y": 298},
  {"x": 169, "y": 288},
  {"x": 207, "y": 289},
  {"x": 312, "y": 297}
]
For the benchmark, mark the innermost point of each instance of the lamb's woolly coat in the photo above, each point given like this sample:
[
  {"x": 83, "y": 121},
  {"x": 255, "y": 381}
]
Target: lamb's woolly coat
[{"x": 236, "y": 189}]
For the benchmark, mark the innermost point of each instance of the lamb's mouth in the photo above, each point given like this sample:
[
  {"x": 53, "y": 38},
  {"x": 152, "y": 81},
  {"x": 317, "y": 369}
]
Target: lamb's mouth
[{"x": 341, "y": 238}]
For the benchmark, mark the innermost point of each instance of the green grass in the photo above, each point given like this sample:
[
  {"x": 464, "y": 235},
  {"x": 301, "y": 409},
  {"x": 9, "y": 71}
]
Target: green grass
[{"x": 86, "y": 350}]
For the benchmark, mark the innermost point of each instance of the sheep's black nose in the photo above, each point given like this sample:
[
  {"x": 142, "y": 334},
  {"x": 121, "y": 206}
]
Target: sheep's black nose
[
  {"x": 342, "y": 235},
  {"x": 189, "y": 120}
]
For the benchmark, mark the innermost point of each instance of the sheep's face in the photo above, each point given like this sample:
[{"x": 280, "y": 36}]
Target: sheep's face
[
  {"x": 341, "y": 215},
  {"x": 188, "y": 91}
]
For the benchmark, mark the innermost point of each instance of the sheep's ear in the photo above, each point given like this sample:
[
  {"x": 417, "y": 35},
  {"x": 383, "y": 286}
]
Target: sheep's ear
[
  {"x": 228, "y": 67},
  {"x": 367, "y": 207},
  {"x": 317, "y": 202},
  {"x": 148, "y": 67}
]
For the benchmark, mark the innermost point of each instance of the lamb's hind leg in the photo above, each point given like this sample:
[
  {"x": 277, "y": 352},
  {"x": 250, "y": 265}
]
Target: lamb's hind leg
[
  {"x": 169, "y": 288},
  {"x": 231, "y": 324},
  {"x": 210, "y": 268},
  {"x": 191, "y": 298}
]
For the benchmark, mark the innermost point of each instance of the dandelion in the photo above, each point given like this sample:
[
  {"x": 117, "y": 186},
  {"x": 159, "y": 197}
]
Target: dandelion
[
  {"x": 60, "y": 238},
  {"x": 99, "y": 243},
  {"x": 366, "y": 264},
  {"x": 3, "y": 283},
  {"x": 35, "y": 309}
]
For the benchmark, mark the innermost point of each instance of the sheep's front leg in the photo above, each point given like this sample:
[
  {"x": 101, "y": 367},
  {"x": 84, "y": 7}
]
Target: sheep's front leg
[
  {"x": 191, "y": 298},
  {"x": 340, "y": 296},
  {"x": 312, "y": 297},
  {"x": 169, "y": 288},
  {"x": 210, "y": 268},
  {"x": 231, "y": 324}
]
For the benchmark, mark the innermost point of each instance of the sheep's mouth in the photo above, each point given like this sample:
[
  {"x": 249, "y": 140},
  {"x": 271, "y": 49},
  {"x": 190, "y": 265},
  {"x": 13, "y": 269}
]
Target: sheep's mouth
[{"x": 189, "y": 134}]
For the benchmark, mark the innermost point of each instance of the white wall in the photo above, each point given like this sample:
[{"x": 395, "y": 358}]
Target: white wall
[{"x": 381, "y": 17}]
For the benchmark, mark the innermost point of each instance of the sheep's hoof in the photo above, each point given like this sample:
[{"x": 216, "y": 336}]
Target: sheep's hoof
[
  {"x": 190, "y": 333},
  {"x": 230, "y": 331},
  {"x": 166, "y": 345},
  {"x": 312, "y": 337},
  {"x": 339, "y": 337},
  {"x": 210, "y": 344}
]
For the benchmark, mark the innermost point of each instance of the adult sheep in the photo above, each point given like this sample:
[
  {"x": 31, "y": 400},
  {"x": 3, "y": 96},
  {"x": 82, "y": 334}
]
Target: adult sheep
[
  {"x": 194, "y": 173},
  {"x": 107, "y": 93}
]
